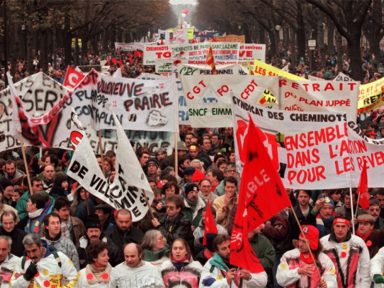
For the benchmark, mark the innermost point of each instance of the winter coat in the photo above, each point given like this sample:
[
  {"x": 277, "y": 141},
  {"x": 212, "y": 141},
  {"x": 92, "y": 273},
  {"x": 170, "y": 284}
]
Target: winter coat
[
  {"x": 351, "y": 260},
  {"x": 287, "y": 271},
  {"x": 187, "y": 276},
  {"x": 213, "y": 276}
]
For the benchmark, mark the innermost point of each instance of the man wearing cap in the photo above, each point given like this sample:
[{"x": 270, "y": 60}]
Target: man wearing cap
[
  {"x": 93, "y": 233},
  {"x": 306, "y": 265},
  {"x": 187, "y": 177},
  {"x": 348, "y": 253},
  {"x": 104, "y": 212},
  {"x": 193, "y": 204},
  {"x": 375, "y": 211},
  {"x": 374, "y": 239},
  {"x": 152, "y": 166},
  {"x": 324, "y": 218}
]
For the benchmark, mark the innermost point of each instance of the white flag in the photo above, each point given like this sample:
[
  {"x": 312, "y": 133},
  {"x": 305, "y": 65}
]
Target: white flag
[{"x": 124, "y": 192}]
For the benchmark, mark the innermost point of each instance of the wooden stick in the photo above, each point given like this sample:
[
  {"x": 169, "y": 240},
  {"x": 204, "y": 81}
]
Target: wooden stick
[
  {"x": 307, "y": 242},
  {"x": 176, "y": 155},
  {"x": 352, "y": 210},
  {"x": 26, "y": 165}
]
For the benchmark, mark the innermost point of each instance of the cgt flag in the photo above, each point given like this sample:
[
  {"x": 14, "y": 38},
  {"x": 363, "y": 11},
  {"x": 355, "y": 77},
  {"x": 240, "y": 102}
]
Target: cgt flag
[
  {"x": 362, "y": 189},
  {"x": 73, "y": 77},
  {"x": 262, "y": 195},
  {"x": 263, "y": 190}
]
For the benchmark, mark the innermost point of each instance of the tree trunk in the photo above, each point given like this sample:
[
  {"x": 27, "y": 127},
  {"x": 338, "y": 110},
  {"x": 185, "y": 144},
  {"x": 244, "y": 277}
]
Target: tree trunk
[
  {"x": 272, "y": 37},
  {"x": 355, "y": 55},
  {"x": 44, "y": 50},
  {"x": 330, "y": 34},
  {"x": 339, "y": 52},
  {"x": 67, "y": 40}
]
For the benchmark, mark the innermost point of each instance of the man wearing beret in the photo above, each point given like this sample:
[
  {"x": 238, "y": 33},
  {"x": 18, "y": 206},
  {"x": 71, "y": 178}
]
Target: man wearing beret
[
  {"x": 374, "y": 239},
  {"x": 93, "y": 233}
]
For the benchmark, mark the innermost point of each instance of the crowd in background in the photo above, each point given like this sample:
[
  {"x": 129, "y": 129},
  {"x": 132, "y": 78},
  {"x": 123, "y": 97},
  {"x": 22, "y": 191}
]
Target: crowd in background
[{"x": 167, "y": 248}]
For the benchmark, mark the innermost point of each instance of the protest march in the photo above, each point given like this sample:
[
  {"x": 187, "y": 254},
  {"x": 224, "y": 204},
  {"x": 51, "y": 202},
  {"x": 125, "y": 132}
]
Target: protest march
[{"x": 190, "y": 159}]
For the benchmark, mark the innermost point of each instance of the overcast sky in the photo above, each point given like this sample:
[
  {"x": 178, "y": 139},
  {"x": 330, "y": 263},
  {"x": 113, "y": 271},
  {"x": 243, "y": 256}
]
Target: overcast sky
[{"x": 175, "y": 2}]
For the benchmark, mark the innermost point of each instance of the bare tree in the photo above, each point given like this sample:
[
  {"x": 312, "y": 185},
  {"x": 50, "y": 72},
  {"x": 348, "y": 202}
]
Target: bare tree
[{"x": 348, "y": 17}]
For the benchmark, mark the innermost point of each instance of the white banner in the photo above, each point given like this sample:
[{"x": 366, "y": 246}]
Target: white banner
[
  {"x": 209, "y": 96},
  {"x": 319, "y": 150},
  {"x": 285, "y": 94},
  {"x": 250, "y": 52},
  {"x": 320, "y": 96},
  {"x": 223, "y": 52},
  {"x": 127, "y": 189},
  {"x": 147, "y": 105}
]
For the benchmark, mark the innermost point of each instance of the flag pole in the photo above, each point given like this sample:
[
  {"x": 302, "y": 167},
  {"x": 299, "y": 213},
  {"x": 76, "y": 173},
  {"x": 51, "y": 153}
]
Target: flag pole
[
  {"x": 26, "y": 165},
  {"x": 357, "y": 206},
  {"x": 306, "y": 242},
  {"x": 176, "y": 155},
  {"x": 352, "y": 210},
  {"x": 16, "y": 120}
]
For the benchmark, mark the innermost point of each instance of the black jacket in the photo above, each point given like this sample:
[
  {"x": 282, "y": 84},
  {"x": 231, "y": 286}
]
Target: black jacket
[
  {"x": 177, "y": 227},
  {"x": 17, "y": 237},
  {"x": 120, "y": 238}
]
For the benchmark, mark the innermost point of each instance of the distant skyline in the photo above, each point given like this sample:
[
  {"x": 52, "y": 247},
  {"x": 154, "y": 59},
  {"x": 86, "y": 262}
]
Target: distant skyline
[{"x": 176, "y": 2}]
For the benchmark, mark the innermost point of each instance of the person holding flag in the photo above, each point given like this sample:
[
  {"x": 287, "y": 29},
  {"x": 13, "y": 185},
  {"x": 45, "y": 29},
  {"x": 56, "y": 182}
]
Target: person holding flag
[
  {"x": 218, "y": 272},
  {"x": 306, "y": 265}
]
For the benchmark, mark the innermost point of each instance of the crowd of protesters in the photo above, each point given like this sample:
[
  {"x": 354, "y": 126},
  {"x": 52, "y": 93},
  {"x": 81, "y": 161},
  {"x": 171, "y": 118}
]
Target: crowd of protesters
[
  {"x": 54, "y": 233},
  {"x": 54, "y": 230}
]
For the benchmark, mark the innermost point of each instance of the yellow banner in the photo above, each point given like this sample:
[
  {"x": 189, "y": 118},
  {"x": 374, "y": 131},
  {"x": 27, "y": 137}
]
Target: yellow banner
[
  {"x": 190, "y": 33},
  {"x": 371, "y": 95},
  {"x": 264, "y": 69}
]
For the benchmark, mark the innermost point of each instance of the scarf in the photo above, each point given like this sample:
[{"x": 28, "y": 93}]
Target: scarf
[
  {"x": 35, "y": 214},
  {"x": 218, "y": 262},
  {"x": 306, "y": 258},
  {"x": 180, "y": 263},
  {"x": 150, "y": 256},
  {"x": 96, "y": 275},
  {"x": 364, "y": 236},
  {"x": 192, "y": 203}
]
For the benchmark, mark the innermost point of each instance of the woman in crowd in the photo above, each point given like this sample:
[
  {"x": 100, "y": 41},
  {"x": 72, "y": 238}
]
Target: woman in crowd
[
  {"x": 155, "y": 248},
  {"x": 60, "y": 185},
  {"x": 170, "y": 189},
  {"x": 306, "y": 266},
  {"x": 97, "y": 272},
  {"x": 180, "y": 270}
]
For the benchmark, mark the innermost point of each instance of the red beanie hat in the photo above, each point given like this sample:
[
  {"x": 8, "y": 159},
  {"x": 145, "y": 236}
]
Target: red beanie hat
[
  {"x": 197, "y": 176},
  {"x": 310, "y": 233}
]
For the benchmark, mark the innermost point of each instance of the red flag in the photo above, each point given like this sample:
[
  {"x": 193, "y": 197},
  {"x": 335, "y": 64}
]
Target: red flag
[
  {"x": 211, "y": 60},
  {"x": 262, "y": 195},
  {"x": 362, "y": 189},
  {"x": 72, "y": 77},
  {"x": 209, "y": 223}
]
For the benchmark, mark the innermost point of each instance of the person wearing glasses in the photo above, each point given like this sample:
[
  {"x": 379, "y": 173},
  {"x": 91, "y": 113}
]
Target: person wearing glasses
[{"x": 174, "y": 223}]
